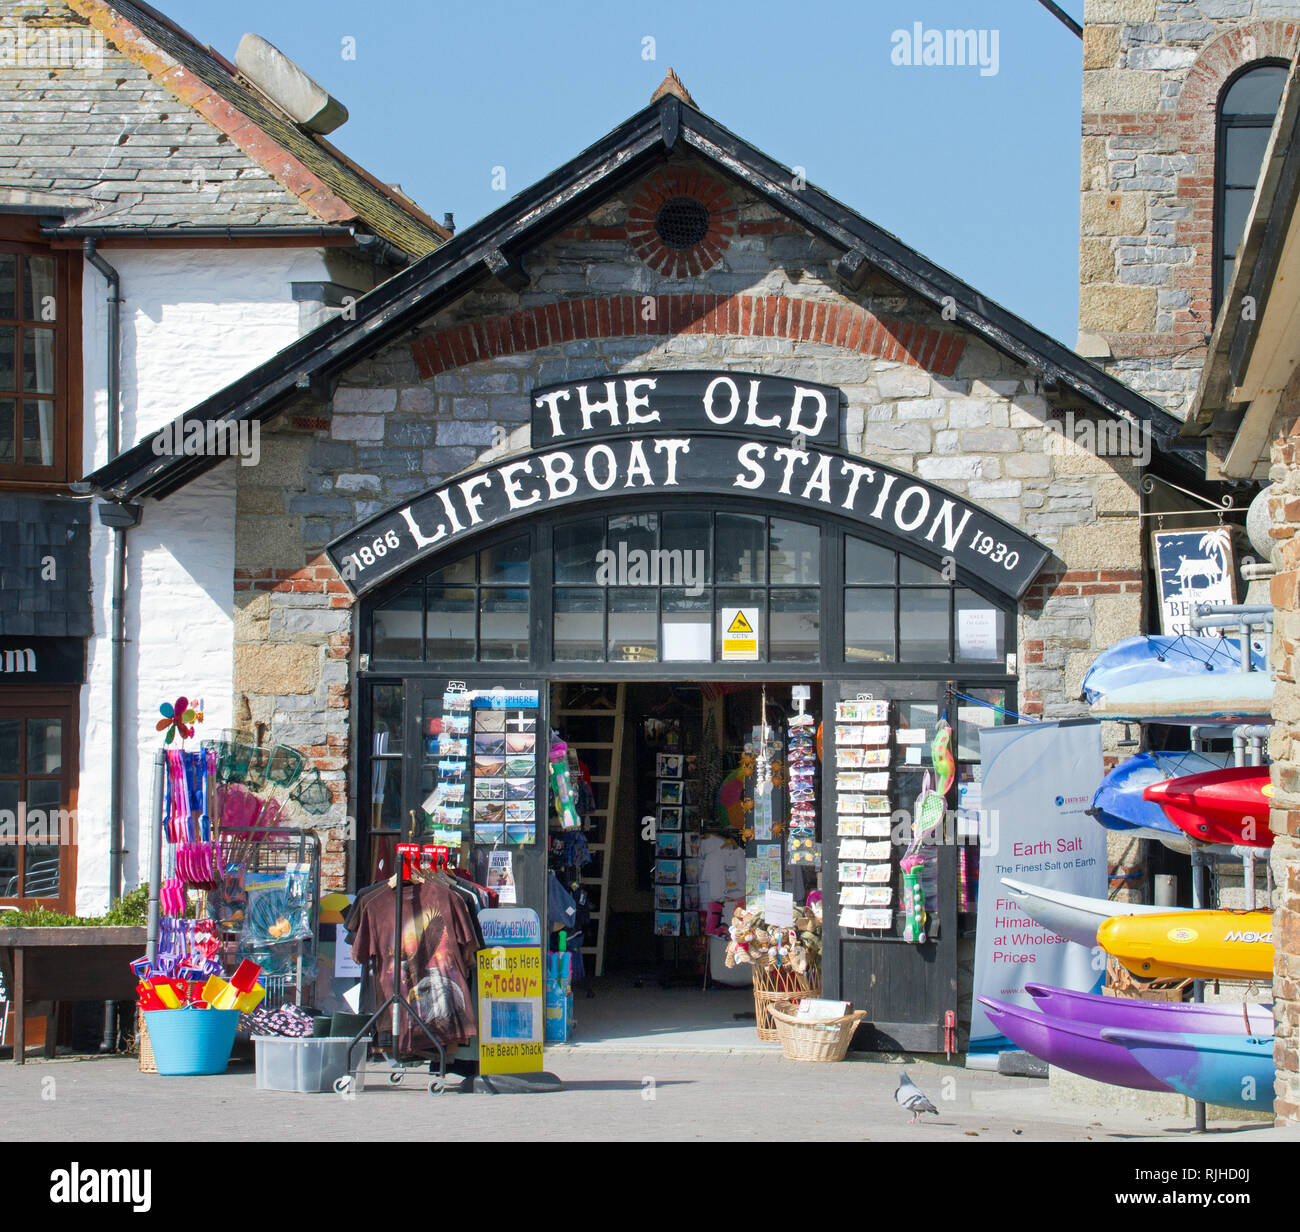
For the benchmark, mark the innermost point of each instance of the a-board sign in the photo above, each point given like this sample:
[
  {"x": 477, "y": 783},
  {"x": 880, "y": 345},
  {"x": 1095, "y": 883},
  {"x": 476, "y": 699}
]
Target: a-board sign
[{"x": 511, "y": 992}]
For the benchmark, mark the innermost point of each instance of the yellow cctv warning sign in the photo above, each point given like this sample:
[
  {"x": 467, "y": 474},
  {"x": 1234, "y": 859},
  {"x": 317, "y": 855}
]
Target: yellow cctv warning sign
[{"x": 739, "y": 634}]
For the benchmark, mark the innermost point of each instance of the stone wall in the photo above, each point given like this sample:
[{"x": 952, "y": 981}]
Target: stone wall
[
  {"x": 1152, "y": 74},
  {"x": 923, "y": 396}
]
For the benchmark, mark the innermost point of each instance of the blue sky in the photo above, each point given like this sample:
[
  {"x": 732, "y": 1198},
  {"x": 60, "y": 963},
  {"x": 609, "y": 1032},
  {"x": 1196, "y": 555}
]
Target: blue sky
[{"x": 979, "y": 171}]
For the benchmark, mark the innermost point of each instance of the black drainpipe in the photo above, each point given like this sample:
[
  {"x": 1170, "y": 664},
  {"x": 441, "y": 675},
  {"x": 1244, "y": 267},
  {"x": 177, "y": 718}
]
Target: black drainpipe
[{"x": 115, "y": 852}]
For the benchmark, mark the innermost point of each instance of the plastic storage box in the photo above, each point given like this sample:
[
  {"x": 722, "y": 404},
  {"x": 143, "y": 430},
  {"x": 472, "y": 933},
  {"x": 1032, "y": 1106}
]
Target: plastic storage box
[{"x": 309, "y": 1064}]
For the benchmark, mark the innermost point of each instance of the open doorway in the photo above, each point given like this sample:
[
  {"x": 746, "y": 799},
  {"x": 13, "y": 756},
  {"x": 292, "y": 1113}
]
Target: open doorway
[{"x": 684, "y": 797}]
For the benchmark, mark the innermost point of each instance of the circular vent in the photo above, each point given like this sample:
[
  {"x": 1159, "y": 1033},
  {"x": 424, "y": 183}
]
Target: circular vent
[{"x": 682, "y": 222}]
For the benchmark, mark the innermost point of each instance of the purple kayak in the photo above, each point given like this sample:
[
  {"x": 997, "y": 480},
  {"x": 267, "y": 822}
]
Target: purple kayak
[
  {"x": 1178, "y": 1017},
  {"x": 1074, "y": 1046}
]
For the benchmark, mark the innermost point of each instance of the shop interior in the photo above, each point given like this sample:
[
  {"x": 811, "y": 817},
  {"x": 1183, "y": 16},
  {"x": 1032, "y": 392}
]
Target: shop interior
[{"x": 683, "y": 799}]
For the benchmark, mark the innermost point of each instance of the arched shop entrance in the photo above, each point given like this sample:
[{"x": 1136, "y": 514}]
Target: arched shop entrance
[{"x": 596, "y": 603}]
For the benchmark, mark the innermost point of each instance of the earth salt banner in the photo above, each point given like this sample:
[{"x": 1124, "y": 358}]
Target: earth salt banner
[{"x": 1038, "y": 780}]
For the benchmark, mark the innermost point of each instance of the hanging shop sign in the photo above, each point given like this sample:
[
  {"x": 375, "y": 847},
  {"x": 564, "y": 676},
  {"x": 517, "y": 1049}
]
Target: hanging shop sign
[
  {"x": 511, "y": 991},
  {"x": 1038, "y": 780},
  {"x": 42, "y": 660},
  {"x": 739, "y": 634},
  {"x": 760, "y": 407},
  {"x": 1192, "y": 566},
  {"x": 929, "y": 521}
]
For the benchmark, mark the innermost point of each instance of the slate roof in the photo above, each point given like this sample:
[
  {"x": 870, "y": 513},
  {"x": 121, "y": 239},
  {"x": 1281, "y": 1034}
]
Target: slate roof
[
  {"x": 121, "y": 153},
  {"x": 497, "y": 242}
]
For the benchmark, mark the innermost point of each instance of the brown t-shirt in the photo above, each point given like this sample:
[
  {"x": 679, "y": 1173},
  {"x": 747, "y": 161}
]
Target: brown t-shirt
[{"x": 438, "y": 960}]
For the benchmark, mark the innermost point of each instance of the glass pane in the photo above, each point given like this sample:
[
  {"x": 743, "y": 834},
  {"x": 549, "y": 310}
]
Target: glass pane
[
  {"x": 637, "y": 532},
  {"x": 795, "y": 552},
  {"x": 8, "y": 358},
  {"x": 8, "y": 867},
  {"x": 869, "y": 625},
  {"x": 740, "y": 548},
  {"x": 9, "y": 811},
  {"x": 1243, "y": 154},
  {"x": 458, "y": 573},
  {"x": 396, "y": 626},
  {"x": 41, "y": 872},
  {"x": 8, "y": 408},
  {"x": 449, "y": 622},
  {"x": 38, "y": 290},
  {"x": 44, "y": 746},
  {"x": 725, "y": 604},
  {"x": 687, "y": 626},
  {"x": 923, "y": 626},
  {"x": 580, "y": 625},
  {"x": 8, "y": 283},
  {"x": 633, "y": 622},
  {"x": 577, "y": 547},
  {"x": 689, "y": 533},
  {"x": 972, "y": 718},
  {"x": 796, "y": 625},
  {"x": 1236, "y": 209},
  {"x": 503, "y": 626},
  {"x": 38, "y": 361},
  {"x": 1256, "y": 92},
  {"x": 386, "y": 793},
  {"x": 45, "y": 822},
  {"x": 506, "y": 564},
  {"x": 867, "y": 562},
  {"x": 913, "y": 571},
  {"x": 386, "y": 718},
  {"x": 9, "y": 746},
  {"x": 38, "y": 433},
  {"x": 981, "y": 629}
]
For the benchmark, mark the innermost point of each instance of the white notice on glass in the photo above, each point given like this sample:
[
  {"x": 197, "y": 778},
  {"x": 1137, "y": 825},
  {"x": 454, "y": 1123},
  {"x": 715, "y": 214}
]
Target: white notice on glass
[{"x": 977, "y": 633}]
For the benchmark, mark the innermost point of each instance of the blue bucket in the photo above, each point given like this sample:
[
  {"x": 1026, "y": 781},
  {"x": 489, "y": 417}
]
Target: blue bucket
[{"x": 192, "y": 1041}]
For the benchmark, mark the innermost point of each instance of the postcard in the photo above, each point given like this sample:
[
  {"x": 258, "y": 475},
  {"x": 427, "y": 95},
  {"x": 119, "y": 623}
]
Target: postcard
[
  {"x": 691, "y": 870},
  {"x": 670, "y": 791},
  {"x": 519, "y": 789},
  {"x": 668, "y": 924},
  {"x": 691, "y": 924},
  {"x": 521, "y": 834},
  {"x": 456, "y": 723},
  {"x": 521, "y": 810},
  {"x": 668, "y": 898},
  {"x": 690, "y": 898},
  {"x": 669, "y": 819},
  {"x": 489, "y": 789},
  {"x": 668, "y": 872},
  {"x": 866, "y": 918},
  {"x": 489, "y": 767},
  {"x": 850, "y": 804},
  {"x": 668, "y": 843},
  {"x": 521, "y": 764},
  {"x": 521, "y": 742},
  {"x": 862, "y": 712},
  {"x": 692, "y": 845},
  {"x": 489, "y": 721},
  {"x": 451, "y": 771},
  {"x": 451, "y": 793},
  {"x": 489, "y": 742},
  {"x": 489, "y": 834},
  {"x": 488, "y": 810},
  {"x": 668, "y": 765},
  {"x": 452, "y": 746}
]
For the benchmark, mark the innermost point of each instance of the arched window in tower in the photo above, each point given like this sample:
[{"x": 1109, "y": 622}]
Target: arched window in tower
[{"x": 1247, "y": 108}]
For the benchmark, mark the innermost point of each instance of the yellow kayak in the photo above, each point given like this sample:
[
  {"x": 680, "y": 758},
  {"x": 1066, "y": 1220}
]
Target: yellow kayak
[{"x": 1202, "y": 945}]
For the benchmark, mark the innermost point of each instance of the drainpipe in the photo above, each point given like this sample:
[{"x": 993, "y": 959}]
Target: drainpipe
[{"x": 114, "y": 410}]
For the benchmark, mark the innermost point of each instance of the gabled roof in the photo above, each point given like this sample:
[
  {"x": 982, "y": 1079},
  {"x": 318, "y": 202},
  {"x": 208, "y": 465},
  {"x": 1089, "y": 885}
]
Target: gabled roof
[
  {"x": 327, "y": 184},
  {"x": 498, "y": 242}
]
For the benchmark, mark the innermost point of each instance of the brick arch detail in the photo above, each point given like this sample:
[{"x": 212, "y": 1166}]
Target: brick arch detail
[
  {"x": 1221, "y": 57},
  {"x": 847, "y": 326}
]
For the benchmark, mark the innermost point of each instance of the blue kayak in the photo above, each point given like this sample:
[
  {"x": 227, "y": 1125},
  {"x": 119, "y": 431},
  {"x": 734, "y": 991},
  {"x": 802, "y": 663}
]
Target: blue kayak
[
  {"x": 1231, "y": 1071},
  {"x": 1151, "y": 657},
  {"x": 1118, "y": 805}
]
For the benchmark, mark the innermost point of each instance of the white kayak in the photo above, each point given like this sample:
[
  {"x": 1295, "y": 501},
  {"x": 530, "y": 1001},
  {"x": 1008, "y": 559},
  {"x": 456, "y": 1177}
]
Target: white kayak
[
  {"x": 1073, "y": 916},
  {"x": 1218, "y": 697}
]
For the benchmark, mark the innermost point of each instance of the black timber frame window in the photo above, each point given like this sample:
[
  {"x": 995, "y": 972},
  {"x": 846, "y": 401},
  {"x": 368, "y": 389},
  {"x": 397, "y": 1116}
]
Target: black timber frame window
[{"x": 1246, "y": 110}]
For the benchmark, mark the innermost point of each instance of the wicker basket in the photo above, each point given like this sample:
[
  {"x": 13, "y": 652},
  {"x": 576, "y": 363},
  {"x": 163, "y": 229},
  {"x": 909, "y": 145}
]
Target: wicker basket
[
  {"x": 773, "y": 984},
  {"x": 1120, "y": 982},
  {"x": 147, "y": 1064},
  {"x": 813, "y": 1039}
]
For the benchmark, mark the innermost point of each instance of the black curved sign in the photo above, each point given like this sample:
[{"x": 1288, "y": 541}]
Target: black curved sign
[{"x": 828, "y": 481}]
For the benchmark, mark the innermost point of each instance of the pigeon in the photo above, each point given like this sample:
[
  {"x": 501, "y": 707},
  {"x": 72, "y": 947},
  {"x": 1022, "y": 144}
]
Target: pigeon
[{"x": 910, "y": 1096}]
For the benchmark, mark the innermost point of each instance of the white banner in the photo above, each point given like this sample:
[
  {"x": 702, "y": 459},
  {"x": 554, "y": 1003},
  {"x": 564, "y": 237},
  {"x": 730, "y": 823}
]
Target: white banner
[{"x": 1038, "y": 779}]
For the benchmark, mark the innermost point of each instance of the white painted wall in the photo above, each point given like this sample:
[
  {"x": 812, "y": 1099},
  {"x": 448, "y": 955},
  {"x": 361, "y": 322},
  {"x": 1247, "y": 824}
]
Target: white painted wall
[{"x": 192, "y": 322}]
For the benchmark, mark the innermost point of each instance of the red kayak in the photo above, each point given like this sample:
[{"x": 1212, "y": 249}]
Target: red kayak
[{"x": 1222, "y": 806}]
